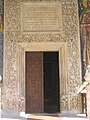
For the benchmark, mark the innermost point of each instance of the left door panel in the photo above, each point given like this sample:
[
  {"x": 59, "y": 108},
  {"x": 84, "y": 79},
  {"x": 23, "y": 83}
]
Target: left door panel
[{"x": 34, "y": 82}]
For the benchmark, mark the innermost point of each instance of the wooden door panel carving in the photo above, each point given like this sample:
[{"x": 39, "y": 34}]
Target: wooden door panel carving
[{"x": 34, "y": 82}]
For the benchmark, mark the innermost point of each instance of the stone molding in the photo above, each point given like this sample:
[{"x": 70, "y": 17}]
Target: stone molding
[{"x": 60, "y": 47}]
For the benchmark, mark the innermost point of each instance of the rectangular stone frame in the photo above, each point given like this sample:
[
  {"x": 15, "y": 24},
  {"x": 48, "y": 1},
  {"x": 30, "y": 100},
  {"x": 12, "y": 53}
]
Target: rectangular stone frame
[
  {"x": 57, "y": 27},
  {"x": 60, "y": 47}
]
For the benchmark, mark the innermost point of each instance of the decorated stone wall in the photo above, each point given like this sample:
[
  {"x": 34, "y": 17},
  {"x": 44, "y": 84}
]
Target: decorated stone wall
[{"x": 15, "y": 34}]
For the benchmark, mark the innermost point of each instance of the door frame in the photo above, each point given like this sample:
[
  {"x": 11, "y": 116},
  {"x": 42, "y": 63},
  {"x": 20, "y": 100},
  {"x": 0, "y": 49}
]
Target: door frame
[{"x": 42, "y": 47}]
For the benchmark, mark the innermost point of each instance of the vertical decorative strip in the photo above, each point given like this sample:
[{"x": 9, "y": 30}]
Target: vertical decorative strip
[
  {"x": 84, "y": 12},
  {"x": 1, "y": 15},
  {"x": 1, "y": 37}
]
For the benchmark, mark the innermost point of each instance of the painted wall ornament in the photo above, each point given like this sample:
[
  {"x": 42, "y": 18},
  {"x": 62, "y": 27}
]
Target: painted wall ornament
[
  {"x": 1, "y": 15},
  {"x": 0, "y": 24},
  {"x": 84, "y": 12},
  {"x": 87, "y": 74}
]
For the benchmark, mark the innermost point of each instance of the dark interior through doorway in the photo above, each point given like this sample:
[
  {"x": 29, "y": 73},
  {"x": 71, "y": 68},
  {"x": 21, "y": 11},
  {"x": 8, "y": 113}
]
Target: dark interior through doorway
[{"x": 51, "y": 82}]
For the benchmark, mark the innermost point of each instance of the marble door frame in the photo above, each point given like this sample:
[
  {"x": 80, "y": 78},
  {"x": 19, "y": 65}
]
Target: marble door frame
[{"x": 59, "y": 47}]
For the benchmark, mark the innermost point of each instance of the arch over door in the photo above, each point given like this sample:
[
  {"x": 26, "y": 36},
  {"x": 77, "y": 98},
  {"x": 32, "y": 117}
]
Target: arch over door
[{"x": 34, "y": 82}]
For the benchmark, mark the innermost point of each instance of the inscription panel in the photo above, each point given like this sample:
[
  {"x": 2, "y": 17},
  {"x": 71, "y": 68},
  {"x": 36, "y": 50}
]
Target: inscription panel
[{"x": 41, "y": 16}]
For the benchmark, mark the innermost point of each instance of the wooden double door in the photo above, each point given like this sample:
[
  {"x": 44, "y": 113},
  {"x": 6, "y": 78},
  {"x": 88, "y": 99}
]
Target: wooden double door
[{"x": 42, "y": 82}]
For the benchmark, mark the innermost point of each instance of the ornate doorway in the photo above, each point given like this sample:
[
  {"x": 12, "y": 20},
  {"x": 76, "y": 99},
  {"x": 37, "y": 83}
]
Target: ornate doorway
[{"x": 42, "y": 82}]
